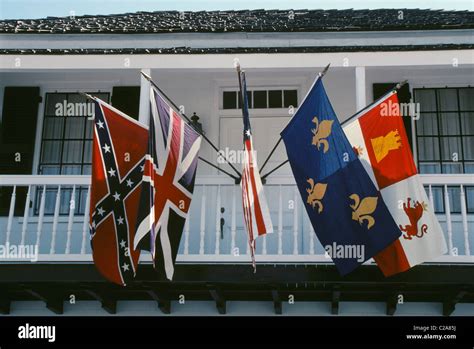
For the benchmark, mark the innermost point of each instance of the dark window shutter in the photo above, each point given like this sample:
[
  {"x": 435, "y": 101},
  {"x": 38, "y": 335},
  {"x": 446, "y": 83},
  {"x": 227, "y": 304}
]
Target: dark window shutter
[
  {"x": 404, "y": 96},
  {"x": 17, "y": 137},
  {"x": 127, "y": 100}
]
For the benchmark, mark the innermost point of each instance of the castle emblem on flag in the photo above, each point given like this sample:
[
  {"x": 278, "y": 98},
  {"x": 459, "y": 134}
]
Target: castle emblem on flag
[
  {"x": 362, "y": 209},
  {"x": 384, "y": 144},
  {"x": 414, "y": 214},
  {"x": 315, "y": 194},
  {"x": 321, "y": 132}
]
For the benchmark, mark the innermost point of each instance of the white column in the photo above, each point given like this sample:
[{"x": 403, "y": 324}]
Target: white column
[
  {"x": 25, "y": 216},
  {"x": 361, "y": 99},
  {"x": 280, "y": 223},
  {"x": 233, "y": 224},
  {"x": 144, "y": 111},
  {"x": 465, "y": 226},
  {"x": 186, "y": 234},
  {"x": 202, "y": 230},
  {"x": 55, "y": 220},
  {"x": 85, "y": 221},
  {"x": 449, "y": 225},
  {"x": 70, "y": 220},
  {"x": 40, "y": 217},
  {"x": 10, "y": 215},
  {"x": 295, "y": 221},
  {"x": 431, "y": 197},
  {"x": 311, "y": 239},
  {"x": 218, "y": 221}
]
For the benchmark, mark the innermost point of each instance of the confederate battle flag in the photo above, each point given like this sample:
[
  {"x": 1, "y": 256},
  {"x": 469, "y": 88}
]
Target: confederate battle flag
[{"x": 118, "y": 158}]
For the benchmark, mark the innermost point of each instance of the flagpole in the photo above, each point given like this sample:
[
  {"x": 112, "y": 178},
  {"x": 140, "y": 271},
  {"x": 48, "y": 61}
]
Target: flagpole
[
  {"x": 242, "y": 107},
  {"x": 395, "y": 88},
  {"x": 88, "y": 96},
  {"x": 241, "y": 99},
  {"x": 190, "y": 123},
  {"x": 320, "y": 75},
  {"x": 236, "y": 179}
]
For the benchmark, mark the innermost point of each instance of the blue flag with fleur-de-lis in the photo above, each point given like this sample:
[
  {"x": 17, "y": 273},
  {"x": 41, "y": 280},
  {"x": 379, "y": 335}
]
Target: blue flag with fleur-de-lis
[{"x": 345, "y": 208}]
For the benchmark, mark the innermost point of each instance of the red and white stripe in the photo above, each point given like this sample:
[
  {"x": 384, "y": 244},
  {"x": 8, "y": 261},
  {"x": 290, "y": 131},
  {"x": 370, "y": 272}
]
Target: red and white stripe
[{"x": 256, "y": 213}]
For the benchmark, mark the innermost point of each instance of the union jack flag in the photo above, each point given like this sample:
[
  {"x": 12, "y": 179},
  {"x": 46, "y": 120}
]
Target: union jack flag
[
  {"x": 168, "y": 184},
  {"x": 118, "y": 159},
  {"x": 256, "y": 213}
]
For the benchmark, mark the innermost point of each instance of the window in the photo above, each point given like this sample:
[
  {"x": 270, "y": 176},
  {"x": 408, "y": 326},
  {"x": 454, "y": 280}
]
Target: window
[
  {"x": 66, "y": 146},
  {"x": 445, "y": 130},
  {"x": 261, "y": 99},
  {"x": 454, "y": 193},
  {"x": 445, "y": 140}
]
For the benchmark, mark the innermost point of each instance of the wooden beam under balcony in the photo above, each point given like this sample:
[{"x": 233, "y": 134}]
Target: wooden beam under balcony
[
  {"x": 449, "y": 305},
  {"x": 336, "y": 296},
  {"x": 218, "y": 297},
  {"x": 5, "y": 303},
  {"x": 54, "y": 299},
  {"x": 163, "y": 300},
  {"x": 277, "y": 303},
  {"x": 445, "y": 284},
  {"x": 107, "y": 300},
  {"x": 391, "y": 304}
]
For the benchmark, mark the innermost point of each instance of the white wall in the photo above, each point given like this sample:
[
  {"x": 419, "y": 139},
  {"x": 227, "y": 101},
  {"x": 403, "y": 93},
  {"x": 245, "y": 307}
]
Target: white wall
[{"x": 200, "y": 90}]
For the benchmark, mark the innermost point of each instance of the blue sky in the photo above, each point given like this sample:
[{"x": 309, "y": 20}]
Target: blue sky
[{"x": 15, "y": 9}]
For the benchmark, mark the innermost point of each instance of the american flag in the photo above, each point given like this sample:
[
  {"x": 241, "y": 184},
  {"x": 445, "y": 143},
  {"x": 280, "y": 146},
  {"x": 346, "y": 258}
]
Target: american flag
[
  {"x": 168, "y": 184},
  {"x": 255, "y": 209},
  {"x": 118, "y": 157}
]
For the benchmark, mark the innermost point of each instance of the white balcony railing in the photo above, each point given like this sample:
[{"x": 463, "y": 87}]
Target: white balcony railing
[{"x": 51, "y": 212}]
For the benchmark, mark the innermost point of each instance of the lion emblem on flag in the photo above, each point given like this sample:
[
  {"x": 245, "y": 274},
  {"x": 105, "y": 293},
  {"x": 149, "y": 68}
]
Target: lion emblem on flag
[{"x": 414, "y": 214}]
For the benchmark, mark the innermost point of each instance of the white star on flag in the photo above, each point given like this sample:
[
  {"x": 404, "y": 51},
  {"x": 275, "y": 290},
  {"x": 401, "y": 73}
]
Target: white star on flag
[
  {"x": 100, "y": 211},
  {"x": 125, "y": 266},
  {"x": 129, "y": 182},
  {"x": 123, "y": 244},
  {"x": 111, "y": 172},
  {"x": 116, "y": 196},
  {"x": 106, "y": 148},
  {"x": 100, "y": 124},
  {"x": 120, "y": 220}
]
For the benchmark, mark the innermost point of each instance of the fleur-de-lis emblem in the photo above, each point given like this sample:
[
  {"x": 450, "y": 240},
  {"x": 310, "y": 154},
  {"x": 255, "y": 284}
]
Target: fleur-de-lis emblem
[
  {"x": 315, "y": 194},
  {"x": 321, "y": 132},
  {"x": 362, "y": 209}
]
